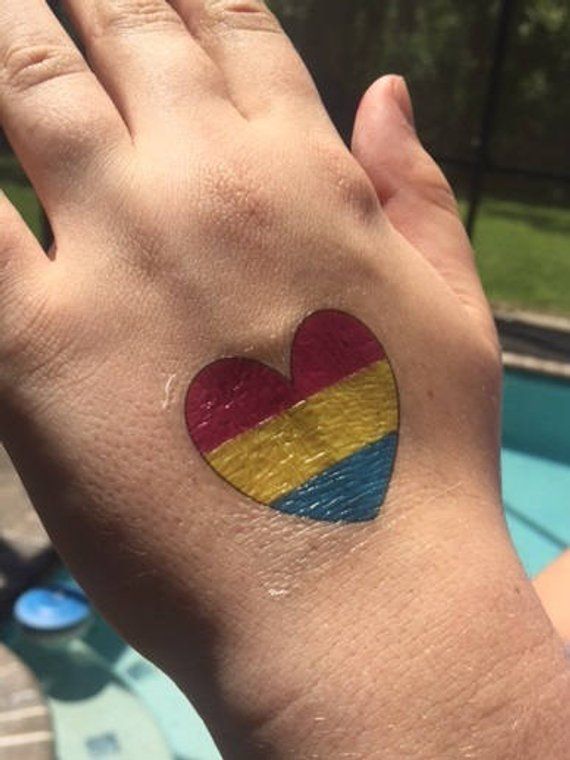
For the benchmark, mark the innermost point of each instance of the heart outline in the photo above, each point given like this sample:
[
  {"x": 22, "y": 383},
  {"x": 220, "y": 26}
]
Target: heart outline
[{"x": 292, "y": 383}]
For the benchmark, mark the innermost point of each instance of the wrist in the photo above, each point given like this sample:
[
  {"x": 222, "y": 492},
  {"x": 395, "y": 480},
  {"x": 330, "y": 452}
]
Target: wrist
[
  {"x": 344, "y": 661},
  {"x": 343, "y": 700}
]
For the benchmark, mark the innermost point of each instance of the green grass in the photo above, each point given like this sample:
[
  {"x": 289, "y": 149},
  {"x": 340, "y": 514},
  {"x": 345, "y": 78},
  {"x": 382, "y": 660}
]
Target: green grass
[
  {"x": 13, "y": 182},
  {"x": 23, "y": 197},
  {"x": 523, "y": 249},
  {"x": 523, "y": 254}
]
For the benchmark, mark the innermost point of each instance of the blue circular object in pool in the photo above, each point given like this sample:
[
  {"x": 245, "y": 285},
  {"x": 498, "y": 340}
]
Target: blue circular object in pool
[{"x": 52, "y": 609}]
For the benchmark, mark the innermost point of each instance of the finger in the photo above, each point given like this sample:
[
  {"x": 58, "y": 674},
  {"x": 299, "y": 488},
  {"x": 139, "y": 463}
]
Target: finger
[
  {"x": 414, "y": 192},
  {"x": 142, "y": 52},
  {"x": 260, "y": 65},
  {"x": 54, "y": 111}
]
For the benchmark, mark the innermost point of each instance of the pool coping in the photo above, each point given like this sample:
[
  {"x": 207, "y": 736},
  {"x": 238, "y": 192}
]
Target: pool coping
[
  {"x": 536, "y": 343},
  {"x": 525, "y": 363}
]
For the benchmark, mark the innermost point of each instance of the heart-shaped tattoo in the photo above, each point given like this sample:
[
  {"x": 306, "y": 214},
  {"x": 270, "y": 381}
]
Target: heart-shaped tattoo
[{"x": 320, "y": 445}]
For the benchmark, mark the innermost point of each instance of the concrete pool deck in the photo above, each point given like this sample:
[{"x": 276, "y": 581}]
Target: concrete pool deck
[
  {"x": 25, "y": 721},
  {"x": 25, "y": 549}
]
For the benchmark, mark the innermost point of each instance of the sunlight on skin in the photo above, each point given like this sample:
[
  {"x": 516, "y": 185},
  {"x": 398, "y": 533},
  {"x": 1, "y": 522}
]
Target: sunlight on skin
[{"x": 203, "y": 206}]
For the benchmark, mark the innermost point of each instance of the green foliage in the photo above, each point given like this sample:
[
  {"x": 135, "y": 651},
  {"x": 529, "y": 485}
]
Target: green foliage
[
  {"x": 534, "y": 121},
  {"x": 444, "y": 48},
  {"x": 23, "y": 197},
  {"x": 524, "y": 255}
]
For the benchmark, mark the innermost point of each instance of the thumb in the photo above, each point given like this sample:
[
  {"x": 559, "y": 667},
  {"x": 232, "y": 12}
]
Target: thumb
[{"x": 412, "y": 189}]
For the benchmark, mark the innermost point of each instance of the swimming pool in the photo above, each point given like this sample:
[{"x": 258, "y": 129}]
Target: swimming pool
[
  {"x": 536, "y": 467},
  {"x": 108, "y": 702}
]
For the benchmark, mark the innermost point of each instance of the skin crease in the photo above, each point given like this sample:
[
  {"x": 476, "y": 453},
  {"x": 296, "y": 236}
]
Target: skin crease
[{"x": 202, "y": 206}]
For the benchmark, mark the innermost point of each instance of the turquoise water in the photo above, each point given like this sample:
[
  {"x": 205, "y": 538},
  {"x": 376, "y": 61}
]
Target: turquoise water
[
  {"x": 108, "y": 702},
  {"x": 537, "y": 502},
  {"x": 536, "y": 467}
]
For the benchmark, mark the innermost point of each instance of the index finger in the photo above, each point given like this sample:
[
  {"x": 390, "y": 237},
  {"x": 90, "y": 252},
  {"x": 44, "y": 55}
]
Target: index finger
[{"x": 53, "y": 109}]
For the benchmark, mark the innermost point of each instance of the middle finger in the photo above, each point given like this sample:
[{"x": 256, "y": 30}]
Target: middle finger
[{"x": 149, "y": 63}]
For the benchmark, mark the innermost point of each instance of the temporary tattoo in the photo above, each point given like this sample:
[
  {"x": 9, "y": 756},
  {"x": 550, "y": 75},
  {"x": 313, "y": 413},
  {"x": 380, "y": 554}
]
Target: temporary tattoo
[{"x": 321, "y": 445}]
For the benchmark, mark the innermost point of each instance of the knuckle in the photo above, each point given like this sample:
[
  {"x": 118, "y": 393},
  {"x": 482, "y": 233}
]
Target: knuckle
[
  {"x": 253, "y": 15},
  {"x": 124, "y": 16},
  {"x": 72, "y": 127},
  {"x": 27, "y": 65},
  {"x": 357, "y": 193},
  {"x": 347, "y": 180}
]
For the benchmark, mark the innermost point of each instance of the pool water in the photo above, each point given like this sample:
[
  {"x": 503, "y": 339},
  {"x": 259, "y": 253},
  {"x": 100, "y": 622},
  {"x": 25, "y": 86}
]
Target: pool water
[
  {"x": 108, "y": 702},
  {"x": 537, "y": 503},
  {"x": 536, "y": 467}
]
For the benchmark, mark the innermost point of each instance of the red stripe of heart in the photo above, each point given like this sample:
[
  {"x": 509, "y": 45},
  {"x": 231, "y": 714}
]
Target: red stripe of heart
[{"x": 231, "y": 396}]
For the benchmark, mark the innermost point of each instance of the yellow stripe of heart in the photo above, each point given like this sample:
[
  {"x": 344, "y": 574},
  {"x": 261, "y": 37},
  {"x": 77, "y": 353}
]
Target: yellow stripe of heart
[{"x": 280, "y": 455}]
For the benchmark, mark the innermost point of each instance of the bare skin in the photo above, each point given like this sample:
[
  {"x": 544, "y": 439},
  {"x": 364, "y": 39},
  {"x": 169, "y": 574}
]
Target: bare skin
[
  {"x": 202, "y": 206},
  {"x": 553, "y": 588}
]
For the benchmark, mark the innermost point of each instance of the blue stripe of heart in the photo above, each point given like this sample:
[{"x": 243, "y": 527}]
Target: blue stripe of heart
[{"x": 351, "y": 491}]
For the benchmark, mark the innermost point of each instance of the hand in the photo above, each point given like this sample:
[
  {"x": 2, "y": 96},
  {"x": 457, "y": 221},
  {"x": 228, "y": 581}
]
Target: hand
[{"x": 202, "y": 206}]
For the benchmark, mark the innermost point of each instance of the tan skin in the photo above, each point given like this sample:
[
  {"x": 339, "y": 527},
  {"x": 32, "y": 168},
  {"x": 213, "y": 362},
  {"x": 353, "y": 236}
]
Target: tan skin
[
  {"x": 553, "y": 587},
  {"x": 202, "y": 205}
]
